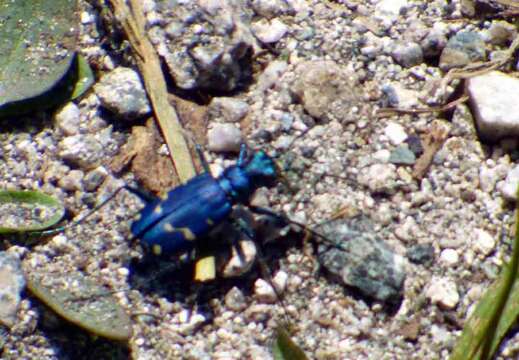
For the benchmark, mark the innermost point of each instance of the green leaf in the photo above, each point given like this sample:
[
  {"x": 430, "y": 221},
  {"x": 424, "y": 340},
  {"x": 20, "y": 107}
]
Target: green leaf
[
  {"x": 85, "y": 78},
  {"x": 37, "y": 45},
  {"x": 496, "y": 312},
  {"x": 24, "y": 211},
  {"x": 81, "y": 301},
  {"x": 285, "y": 349}
]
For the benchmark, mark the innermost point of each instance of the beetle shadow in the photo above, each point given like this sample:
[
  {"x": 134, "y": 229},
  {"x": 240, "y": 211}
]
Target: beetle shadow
[{"x": 172, "y": 277}]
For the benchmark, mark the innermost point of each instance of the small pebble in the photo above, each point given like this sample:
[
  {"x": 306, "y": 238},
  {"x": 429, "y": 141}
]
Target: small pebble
[
  {"x": 235, "y": 300},
  {"x": 379, "y": 178},
  {"x": 67, "y": 119},
  {"x": 449, "y": 257},
  {"x": 509, "y": 187},
  {"x": 396, "y": 133},
  {"x": 224, "y": 138},
  {"x": 228, "y": 109},
  {"x": 121, "y": 92},
  {"x": 264, "y": 292},
  {"x": 269, "y": 31},
  {"x": 407, "y": 54},
  {"x": 483, "y": 242},
  {"x": 421, "y": 254},
  {"x": 443, "y": 292},
  {"x": 402, "y": 156}
]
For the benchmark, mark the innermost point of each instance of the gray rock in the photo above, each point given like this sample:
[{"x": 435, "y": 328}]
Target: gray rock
[
  {"x": 73, "y": 181},
  {"x": 94, "y": 178},
  {"x": 211, "y": 41},
  {"x": 271, "y": 75},
  {"x": 228, "y": 109},
  {"x": 121, "y": 92},
  {"x": 493, "y": 99},
  {"x": 402, "y": 156},
  {"x": 462, "y": 49},
  {"x": 362, "y": 259},
  {"x": 407, "y": 54},
  {"x": 433, "y": 44},
  {"x": 67, "y": 119},
  {"x": 12, "y": 282},
  {"x": 326, "y": 90},
  {"x": 235, "y": 300},
  {"x": 421, "y": 254},
  {"x": 83, "y": 150},
  {"x": 224, "y": 138}
]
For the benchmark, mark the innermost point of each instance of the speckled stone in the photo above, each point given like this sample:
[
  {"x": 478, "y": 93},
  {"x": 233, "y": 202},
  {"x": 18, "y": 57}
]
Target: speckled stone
[
  {"x": 462, "y": 49},
  {"x": 362, "y": 259},
  {"x": 121, "y": 92}
]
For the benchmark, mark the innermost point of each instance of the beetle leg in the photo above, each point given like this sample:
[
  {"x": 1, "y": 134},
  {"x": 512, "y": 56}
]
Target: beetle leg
[
  {"x": 243, "y": 155},
  {"x": 143, "y": 195},
  {"x": 202, "y": 158}
]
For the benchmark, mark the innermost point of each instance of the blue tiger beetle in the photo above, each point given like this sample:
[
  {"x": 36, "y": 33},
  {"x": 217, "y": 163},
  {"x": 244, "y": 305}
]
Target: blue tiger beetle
[{"x": 174, "y": 223}]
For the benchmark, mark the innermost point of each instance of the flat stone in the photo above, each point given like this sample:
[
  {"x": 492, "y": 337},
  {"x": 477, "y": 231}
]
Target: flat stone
[{"x": 361, "y": 259}]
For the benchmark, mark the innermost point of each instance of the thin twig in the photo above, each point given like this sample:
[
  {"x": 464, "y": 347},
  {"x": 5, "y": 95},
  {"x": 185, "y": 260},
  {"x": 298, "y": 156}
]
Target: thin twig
[{"x": 133, "y": 23}]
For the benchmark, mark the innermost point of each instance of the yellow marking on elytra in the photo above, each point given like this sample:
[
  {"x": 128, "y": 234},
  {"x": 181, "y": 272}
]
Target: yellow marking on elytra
[
  {"x": 209, "y": 222},
  {"x": 157, "y": 249},
  {"x": 186, "y": 232},
  {"x": 168, "y": 227},
  {"x": 164, "y": 196},
  {"x": 138, "y": 216},
  {"x": 158, "y": 210}
]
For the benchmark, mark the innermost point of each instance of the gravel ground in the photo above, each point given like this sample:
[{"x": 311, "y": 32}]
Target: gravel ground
[{"x": 302, "y": 80}]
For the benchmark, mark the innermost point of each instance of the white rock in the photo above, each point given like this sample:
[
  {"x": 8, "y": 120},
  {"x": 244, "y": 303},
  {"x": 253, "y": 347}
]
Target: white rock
[
  {"x": 493, "y": 98},
  {"x": 280, "y": 281},
  {"x": 449, "y": 257},
  {"x": 269, "y": 31},
  {"x": 264, "y": 292},
  {"x": 509, "y": 187},
  {"x": 396, "y": 133},
  {"x": 483, "y": 242},
  {"x": 443, "y": 292}
]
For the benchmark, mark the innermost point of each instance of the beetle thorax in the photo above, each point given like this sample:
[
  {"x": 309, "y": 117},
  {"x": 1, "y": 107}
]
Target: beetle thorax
[{"x": 241, "y": 181}]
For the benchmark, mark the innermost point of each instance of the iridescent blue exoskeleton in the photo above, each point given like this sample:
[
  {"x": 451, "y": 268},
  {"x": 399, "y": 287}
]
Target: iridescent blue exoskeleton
[{"x": 190, "y": 211}]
